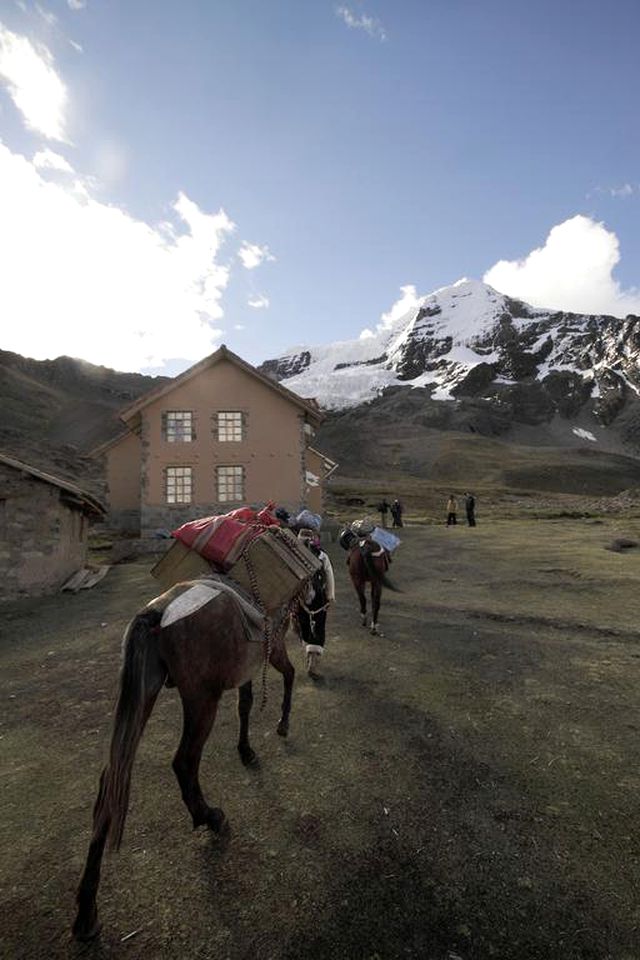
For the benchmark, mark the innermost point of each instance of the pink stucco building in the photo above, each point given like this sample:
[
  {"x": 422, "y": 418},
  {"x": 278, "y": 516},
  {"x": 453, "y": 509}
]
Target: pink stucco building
[{"x": 219, "y": 435}]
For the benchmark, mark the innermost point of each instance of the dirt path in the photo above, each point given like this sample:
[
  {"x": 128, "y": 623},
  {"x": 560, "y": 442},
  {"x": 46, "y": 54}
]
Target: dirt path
[{"x": 465, "y": 787}]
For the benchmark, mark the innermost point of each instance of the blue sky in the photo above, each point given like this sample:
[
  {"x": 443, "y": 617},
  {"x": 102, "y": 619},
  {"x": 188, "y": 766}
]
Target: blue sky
[{"x": 356, "y": 149}]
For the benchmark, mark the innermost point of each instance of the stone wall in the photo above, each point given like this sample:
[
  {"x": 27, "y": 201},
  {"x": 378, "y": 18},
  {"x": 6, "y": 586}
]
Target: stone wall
[
  {"x": 172, "y": 515},
  {"x": 42, "y": 540},
  {"x": 125, "y": 522}
]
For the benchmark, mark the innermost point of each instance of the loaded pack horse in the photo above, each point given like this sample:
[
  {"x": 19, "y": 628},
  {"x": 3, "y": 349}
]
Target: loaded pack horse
[
  {"x": 203, "y": 638},
  {"x": 368, "y": 563}
]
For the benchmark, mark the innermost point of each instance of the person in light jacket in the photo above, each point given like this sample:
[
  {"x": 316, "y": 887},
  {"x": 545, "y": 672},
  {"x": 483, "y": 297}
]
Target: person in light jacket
[
  {"x": 311, "y": 613},
  {"x": 452, "y": 509}
]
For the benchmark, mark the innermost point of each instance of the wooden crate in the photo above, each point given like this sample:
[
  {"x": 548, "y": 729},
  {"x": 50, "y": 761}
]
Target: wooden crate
[
  {"x": 281, "y": 565},
  {"x": 179, "y": 563}
]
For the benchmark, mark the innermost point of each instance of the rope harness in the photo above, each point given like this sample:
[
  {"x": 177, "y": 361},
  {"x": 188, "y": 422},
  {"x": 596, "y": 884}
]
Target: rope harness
[{"x": 286, "y": 609}]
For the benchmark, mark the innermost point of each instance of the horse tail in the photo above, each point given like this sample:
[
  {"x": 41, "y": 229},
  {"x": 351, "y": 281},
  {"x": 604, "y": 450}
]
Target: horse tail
[
  {"x": 141, "y": 678},
  {"x": 389, "y": 584}
]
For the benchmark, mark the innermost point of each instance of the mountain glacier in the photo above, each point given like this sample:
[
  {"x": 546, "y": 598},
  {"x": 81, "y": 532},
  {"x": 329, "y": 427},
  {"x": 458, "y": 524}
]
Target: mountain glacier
[{"x": 469, "y": 340}]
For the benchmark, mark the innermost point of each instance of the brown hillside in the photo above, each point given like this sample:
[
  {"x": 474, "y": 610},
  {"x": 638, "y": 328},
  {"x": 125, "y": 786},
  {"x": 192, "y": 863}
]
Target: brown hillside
[{"x": 53, "y": 412}]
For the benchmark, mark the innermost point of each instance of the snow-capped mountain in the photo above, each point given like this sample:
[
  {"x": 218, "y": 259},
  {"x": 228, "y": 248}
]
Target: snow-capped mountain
[{"x": 470, "y": 340}]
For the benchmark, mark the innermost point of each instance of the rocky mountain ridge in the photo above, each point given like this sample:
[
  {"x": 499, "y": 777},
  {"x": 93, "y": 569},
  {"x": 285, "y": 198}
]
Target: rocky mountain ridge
[
  {"x": 468, "y": 341},
  {"x": 468, "y": 384}
]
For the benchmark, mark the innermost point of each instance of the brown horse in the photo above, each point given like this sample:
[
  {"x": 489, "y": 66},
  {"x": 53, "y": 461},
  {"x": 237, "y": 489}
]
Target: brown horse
[
  {"x": 367, "y": 562},
  {"x": 202, "y": 638}
]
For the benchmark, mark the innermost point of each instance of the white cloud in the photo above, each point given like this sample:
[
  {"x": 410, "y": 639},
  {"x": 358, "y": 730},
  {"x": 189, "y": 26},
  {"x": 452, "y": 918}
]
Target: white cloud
[
  {"x": 573, "y": 271},
  {"x": 50, "y": 160},
  {"x": 76, "y": 46},
  {"x": 252, "y": 255},
  {"x": 624, "y": 190},
  {"x": 33, "y": 84},
  {"x": 259, "y": 302},
  {"x": 86, "y": 279},
  {"x": 617, "y": 191},
  {"x": 408, "y": 300},
  {"x": 47, "y": 15},
  {"x": 77, "y": 4},
  {"x": 370, "y": 25}
]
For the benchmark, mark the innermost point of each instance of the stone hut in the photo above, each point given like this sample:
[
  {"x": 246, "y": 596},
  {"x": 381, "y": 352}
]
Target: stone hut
[{"x": 44, "y": 523}]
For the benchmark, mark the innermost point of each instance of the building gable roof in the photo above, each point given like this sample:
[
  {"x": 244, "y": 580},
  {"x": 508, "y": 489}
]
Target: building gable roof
[
  {"x": 222, "y": 353},
  {"x": 78, "y": 497}
]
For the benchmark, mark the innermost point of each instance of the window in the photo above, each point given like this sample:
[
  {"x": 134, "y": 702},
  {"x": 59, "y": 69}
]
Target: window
[
  {"x": 179, "y": 484},
  {"x": 230, "y": 484},
  {"x": 230, "y": 425},
  {"x": 178, "y": 426}
]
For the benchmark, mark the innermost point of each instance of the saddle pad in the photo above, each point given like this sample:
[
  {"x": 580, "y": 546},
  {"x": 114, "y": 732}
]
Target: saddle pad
[
  {"x": 188, "y": 602},
  {"x": 234, "y": 590}
]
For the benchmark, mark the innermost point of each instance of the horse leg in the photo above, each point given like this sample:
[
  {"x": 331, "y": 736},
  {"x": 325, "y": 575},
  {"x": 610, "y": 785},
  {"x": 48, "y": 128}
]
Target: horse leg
[
  {"x": 199, "y": 712},
  {"x": 362, "y": 597},
  {"x": 280, "y": 660},
  {"x": 245, "y": 702},
  {"x": 363, "y": 605},
  {"x": 376, "y": 592}
]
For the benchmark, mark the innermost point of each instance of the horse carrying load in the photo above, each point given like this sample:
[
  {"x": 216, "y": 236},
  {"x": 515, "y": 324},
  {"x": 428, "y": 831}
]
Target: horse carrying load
[
  {"x": 266, "y": 561},
  {"x": 369, "y": 551},
  {"x": 228, "y": 584}
]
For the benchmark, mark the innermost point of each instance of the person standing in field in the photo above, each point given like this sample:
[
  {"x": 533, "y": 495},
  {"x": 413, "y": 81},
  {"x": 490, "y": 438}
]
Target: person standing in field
[
  {"x": 383, "y": 509},
  {"x": 396, "y": 513},
  {"x": 452, "y": 509},
  {"x": 470, "y": 508}
]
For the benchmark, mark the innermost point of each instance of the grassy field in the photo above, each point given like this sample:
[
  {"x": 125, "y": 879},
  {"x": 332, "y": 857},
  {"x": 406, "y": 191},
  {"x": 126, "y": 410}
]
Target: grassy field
[
  {"x": 465, "y": 786},
  {"x": 425, "y": 501}
]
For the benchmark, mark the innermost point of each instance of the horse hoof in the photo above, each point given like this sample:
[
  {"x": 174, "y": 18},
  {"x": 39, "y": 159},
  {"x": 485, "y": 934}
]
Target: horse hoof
[
  {"x": 283, "y": 728},
  {"x": 84, "y": 932},
  {"x": 248, "y": 756},
  {"x": 217, "y": 821}
]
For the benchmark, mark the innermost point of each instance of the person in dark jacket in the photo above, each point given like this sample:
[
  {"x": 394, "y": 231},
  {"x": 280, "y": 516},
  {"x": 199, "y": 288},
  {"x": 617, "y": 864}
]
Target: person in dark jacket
[
  {"x": 383, "y": 508},
  {"x": 470, "y": 508},
  {"x": 396, "y": 513}
]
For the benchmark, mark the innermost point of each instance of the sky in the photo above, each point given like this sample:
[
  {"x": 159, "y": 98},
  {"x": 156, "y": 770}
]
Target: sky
[{"x": 268, "y": 173}]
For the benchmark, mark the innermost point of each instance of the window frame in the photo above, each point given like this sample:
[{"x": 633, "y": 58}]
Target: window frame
[
  {"x": 233, "y": 422},
  {"x": 184, "y": 418},
  {"x": 235, "y": 483},
  {"x": 179, "y": 487}
]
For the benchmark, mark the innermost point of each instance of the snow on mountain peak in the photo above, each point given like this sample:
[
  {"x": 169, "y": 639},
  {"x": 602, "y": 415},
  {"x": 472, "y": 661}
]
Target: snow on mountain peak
[{"x": 462, "y": 337}]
